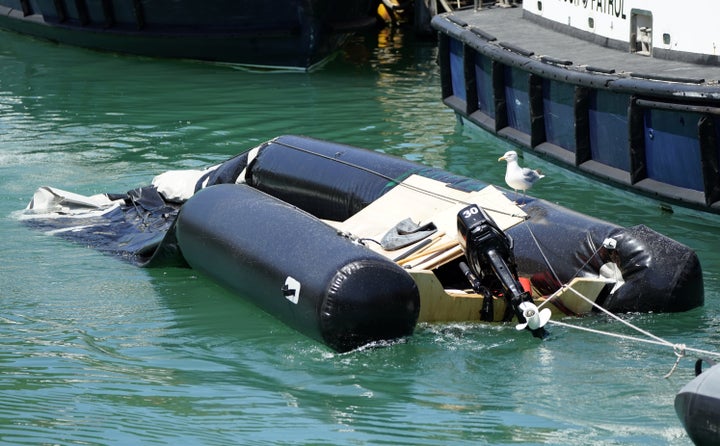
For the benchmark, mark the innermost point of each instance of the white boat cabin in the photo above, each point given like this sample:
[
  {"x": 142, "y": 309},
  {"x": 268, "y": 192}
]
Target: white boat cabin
[{"x": 675, "y": 29}]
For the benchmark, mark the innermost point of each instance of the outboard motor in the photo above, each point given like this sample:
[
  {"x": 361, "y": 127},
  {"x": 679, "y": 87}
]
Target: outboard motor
[{"x": 491, "y": 268}]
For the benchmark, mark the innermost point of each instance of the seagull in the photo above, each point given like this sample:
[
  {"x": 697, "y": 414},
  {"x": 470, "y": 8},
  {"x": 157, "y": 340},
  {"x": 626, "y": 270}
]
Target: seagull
[{"x": 519, "y": 178}]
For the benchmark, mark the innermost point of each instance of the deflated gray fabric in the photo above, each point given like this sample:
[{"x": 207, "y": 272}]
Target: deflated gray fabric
[{"x": 406, "y": 233}]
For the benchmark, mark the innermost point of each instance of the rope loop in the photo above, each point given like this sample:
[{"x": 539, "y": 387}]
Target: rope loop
[{"x": 679, "y": 350}]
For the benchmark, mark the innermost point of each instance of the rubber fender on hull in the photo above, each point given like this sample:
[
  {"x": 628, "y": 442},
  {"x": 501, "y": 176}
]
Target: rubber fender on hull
[{"x": 296, "y": 267}]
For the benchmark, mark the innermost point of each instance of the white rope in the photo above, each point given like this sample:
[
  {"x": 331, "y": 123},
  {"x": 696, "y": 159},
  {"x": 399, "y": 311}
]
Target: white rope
[
  {"x": 679, "y": 349},
  {"x": 680, "y": 353},
  {"x": 662, "y": 342},
  {"x": 542, "y": 253},
  {"x": 612, "y": 315},
  {"x": 565, "y": 286}
]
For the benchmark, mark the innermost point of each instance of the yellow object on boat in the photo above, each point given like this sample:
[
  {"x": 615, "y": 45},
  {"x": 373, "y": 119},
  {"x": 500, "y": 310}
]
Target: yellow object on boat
[{"x": 389, "y": 16}]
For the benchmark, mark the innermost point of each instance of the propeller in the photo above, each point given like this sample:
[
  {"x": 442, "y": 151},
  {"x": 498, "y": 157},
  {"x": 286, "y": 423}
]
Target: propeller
[{"x": 534, "y": 318}]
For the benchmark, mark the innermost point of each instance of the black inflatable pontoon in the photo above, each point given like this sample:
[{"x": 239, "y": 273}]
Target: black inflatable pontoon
[
  {"x": 697, "y": 405},
  {"x": 265, "y": 224},
  {"x": 334, "y": 290}
]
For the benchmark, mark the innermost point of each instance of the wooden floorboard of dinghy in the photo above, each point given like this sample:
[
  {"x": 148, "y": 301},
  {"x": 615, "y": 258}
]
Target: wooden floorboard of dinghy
[
  {"x": 423, "y": 200},
  {"x": 426, "y": 200},
  {"x": 440, "y": 305}
]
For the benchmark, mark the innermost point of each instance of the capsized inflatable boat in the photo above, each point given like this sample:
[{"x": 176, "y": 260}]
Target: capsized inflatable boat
[
  {"x": 697, "y": 405},
  {"x": 351, "y": 246}
]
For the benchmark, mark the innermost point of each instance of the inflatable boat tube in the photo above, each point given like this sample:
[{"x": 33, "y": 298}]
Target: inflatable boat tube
[
  {"x": 697, "y": 405},
  {"x": 296, "y": 268}
]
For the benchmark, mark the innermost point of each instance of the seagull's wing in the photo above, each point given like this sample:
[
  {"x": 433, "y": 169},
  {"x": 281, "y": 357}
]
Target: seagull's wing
[{"x": 531, "y": 175}]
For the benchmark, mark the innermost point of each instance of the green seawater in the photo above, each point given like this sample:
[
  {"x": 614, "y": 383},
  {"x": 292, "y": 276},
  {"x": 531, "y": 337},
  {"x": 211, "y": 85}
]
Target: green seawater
[{"x": 96, "y": 351}]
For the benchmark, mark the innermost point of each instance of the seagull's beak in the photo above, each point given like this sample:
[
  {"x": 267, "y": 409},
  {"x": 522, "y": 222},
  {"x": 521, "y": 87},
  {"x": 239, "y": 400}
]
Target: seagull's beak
[{"x": 502, "y": 158}]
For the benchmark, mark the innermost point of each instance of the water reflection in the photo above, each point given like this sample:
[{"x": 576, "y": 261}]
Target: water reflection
[{"x": 141, "y": 110}]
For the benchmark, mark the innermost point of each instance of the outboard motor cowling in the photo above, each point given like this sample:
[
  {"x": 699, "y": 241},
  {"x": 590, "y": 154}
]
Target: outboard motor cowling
[{"x": 488, "y": 251}]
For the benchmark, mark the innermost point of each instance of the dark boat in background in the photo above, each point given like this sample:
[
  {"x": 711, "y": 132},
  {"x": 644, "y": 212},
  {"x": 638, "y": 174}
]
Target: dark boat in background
[{"x": 297, "y": 34}]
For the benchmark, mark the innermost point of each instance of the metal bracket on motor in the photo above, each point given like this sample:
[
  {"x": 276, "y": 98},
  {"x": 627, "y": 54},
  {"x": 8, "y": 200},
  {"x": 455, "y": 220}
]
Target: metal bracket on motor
[{"x": 490, "y": 259}]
